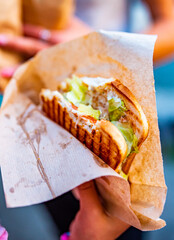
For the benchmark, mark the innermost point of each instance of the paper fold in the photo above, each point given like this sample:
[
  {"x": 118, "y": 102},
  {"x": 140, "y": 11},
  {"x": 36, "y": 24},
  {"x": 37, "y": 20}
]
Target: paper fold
[{"x": 40, "y": 160}]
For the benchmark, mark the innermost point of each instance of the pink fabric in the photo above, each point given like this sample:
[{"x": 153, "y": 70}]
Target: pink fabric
[
  {"x": 63, "y": 237},
  {"x": 3, "y": 233},
  {"x": 3, "y": 40}
]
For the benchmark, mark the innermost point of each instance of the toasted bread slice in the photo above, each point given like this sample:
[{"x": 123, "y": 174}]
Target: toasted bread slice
[
  {"x": 135, "y": 117},
  {"x": 100, "y": 136}
]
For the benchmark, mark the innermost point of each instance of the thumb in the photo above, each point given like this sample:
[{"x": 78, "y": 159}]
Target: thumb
[{"x": 88, "y": 196}]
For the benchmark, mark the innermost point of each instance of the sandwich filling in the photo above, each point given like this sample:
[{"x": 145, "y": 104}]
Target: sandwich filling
[
  {"x": 91, "y": 99},
  {"x": 81, "y": 102}
]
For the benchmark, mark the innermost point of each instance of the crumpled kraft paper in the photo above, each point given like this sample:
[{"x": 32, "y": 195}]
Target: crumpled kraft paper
[{"x": 40, "y": 160}]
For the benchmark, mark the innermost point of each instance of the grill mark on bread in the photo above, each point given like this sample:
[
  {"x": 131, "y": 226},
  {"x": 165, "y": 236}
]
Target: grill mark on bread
[
  {"x": 85, "y": 137},
  {"x": 100, "y": 145},
  {"x": 77, "y": 131},
  {"x": 70, "y": 125},
  {"x": 125, "y": 92},
  {"x": 111, "y": 147},
  {"x": 96, "y": 142},
  {"x": 67, "y": 120},
  {"x": 74, "y": 127},
  {"x": 49, "y": 109},
  {"x": 109, "y": 151},
  {"x": 134, "y": 126},
  {"x": 64, "y": 109},
  {"x": 81, "y": 136},
  {"x": 122, "y": 92},
  {"x": 117, "y": 162},
  {"x": 93, "y": 140},
  {"x": 116, "y": 152},
  {"x": 140, "y": 129},
  {"x": 55, "y": 110},
  {"x": 60, "y": 115},
  {"x": 58, "y": 112},
  {"x": 137, "y": 126},
  {"x": 89, "y": 139},
  {"x": 112, "y": 154},
  {"x": 132, "y": 114},
  {"x": 104, "y": 147}
]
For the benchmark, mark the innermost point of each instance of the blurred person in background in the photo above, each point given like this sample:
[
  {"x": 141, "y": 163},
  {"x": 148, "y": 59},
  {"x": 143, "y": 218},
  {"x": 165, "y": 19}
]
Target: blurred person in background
[
  {"x": 22, "y": 22},
  {"x": 108, "y": 15},
  {"x": 116, "y": 15},
  {"x": 99, "y": 14}
]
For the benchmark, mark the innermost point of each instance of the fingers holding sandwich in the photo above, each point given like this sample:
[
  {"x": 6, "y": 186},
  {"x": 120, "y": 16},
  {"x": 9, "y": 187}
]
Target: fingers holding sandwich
[{"x": 91, "y": 222}]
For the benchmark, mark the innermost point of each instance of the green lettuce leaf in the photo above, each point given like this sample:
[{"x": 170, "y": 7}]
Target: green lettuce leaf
[
  {"x": 88, "y": 110},
  {"x": 128, "y": 135},
  {"x": 116, "y": 109},
  {"x": 124, "y": 175},
  {"x": 77, "y": 91}
]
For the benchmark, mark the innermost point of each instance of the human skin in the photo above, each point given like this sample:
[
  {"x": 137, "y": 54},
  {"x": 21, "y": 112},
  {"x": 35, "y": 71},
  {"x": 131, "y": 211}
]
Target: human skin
[
  {"x": 37, "y": 38},
  {"x": 162, "y": 12},
  {"x": 92, "y": 222}
]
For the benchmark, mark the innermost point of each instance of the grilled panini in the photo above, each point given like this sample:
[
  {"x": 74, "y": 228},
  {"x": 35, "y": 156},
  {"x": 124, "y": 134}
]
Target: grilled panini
[{"x": 101, "y": 113}]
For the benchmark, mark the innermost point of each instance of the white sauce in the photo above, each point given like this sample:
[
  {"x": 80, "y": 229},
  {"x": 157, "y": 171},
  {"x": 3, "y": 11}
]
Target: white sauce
[{"x": 95, "y": 82}]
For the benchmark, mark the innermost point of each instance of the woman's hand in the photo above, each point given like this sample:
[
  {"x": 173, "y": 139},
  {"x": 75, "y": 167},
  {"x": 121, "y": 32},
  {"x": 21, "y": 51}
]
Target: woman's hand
[
  {"x": 75, "y": 28},
  {"x": 37, "y": 38},
  {"x": 91, "y": 222}
]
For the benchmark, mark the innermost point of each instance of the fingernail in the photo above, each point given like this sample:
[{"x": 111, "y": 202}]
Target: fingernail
[
  {"x": 3, "y": 40},
  {"x": 8, "y": 72}
]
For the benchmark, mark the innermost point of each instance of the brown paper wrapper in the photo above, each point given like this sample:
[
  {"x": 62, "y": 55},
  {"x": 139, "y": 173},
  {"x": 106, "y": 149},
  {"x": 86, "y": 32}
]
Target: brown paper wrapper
[
  {"x": 40, "y": 160},
  {"x": 10, "y": 23},
  {"x": 53, "y": 14}
]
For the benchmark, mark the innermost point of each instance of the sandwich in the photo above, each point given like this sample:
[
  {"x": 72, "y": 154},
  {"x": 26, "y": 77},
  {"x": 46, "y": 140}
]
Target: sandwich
[{"x": 101, "y": 113}]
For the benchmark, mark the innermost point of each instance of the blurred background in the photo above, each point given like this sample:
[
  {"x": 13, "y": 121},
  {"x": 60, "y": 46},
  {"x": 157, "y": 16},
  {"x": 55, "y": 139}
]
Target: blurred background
[{"x": 41, "y": 221}]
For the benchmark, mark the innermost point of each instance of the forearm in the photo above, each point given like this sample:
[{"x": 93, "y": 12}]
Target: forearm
[
  {"x": 160, "y": 9},
  {"x": 162, "y": 12},
  {"x": 164, "y": 47}
]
